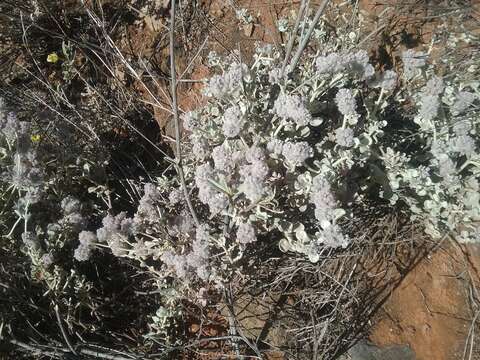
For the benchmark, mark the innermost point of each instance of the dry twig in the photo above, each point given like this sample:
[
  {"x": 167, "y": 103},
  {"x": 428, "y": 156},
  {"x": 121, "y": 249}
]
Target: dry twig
[{"x": 178, "y": 148}]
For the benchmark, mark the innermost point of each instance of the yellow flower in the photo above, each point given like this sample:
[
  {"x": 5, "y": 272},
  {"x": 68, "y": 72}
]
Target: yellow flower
[
  {"x": 52, "y": 58},
  {"x": 35, "y": 137}
]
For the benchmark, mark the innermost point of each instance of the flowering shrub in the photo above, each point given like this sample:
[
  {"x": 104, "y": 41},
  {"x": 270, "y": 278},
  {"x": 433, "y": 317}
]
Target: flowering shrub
[
  {"x": 271, "y": 157},
  {"x": 277, "y": 172},
  {"x": 287, "y": 158},
  {"x": 284, "y": 170}
]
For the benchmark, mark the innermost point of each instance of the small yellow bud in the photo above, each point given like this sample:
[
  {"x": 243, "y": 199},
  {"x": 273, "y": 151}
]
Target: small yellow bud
[
  {"x": 52, "y": 58},
  {"x": 35, "y": 137}
]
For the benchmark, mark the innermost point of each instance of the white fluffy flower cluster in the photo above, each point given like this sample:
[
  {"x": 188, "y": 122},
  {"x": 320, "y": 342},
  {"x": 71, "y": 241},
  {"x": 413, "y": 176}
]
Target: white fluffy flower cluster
[
  {"x": 233, "y": 121},
  {"x": 175, "y": 197},
  {"x": 462, "y": 127},
  {"x": 222, "y": 157},
  {"x": 254, "y": 174},
  {"x": 228, "y": 83},
  {"x": 10, "y": 126},
  {"x": 31, "y": 240},
  {"x": 148, "y": 211},
  {"x": 177, "y": 262},
  {"x": 116, "y": 232},
  {"x": 246, "y": 233},
  {"x": 72, "y": 213},
  {"x": 296, "y": 153},
  {"x": 434, "y": 86},
  {"x": 47, "y": 260},
  {"x": 354, "y": 63},
  {"x": 429, "y": 102},
  {"x": 464, "y": 145},
  {"x": 200, "y": 147},
  {"x": 292, "y": 107},
  {"x": 323, "y": 200},
  {"x": 463, "y": 101},
  {"x": 332, "y": 236},
  {"x": 275, "y": 146},
  {"x": 208, "y": 193},
  {"x": 429, "y": 106},
  {"x": 344, "y": 137},
  {"x": 195, "y": 261},
  {"x": 327, "y": 213},
  {"x": 346, "y": 103},
  {"x": 387, "y": 80},
  {"x": 331, "y": 63},
  {"x": 25, "y": 173},
  {"x": 87, "y": 240}
]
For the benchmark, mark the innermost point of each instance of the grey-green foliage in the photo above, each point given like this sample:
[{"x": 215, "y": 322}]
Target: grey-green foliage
[
  {"x": 275, "y": 154},
  {"x": 278, "y": 170},
  {"x": 438, "y": 179}
]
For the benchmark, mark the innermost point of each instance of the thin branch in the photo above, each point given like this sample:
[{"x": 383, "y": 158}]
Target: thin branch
[
  {"x": 373, "y": 33},
  {"x": 234, "y": 329},
  {"x": 309, "y": 33},
  {"x": 98, "y": 354},
  {"x": 189, "y": 66},
  {"x": 37, "y": 350},
  {"x": 62, "y": 329},
  {"x": 58, "y": 352},
  {"x": 293, "y": 35},
  {"x": 178, "y": 148}
]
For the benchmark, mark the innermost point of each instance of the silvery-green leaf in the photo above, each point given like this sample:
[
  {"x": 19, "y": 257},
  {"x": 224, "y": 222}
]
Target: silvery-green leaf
[
  {"x": 284, "y": 245},
  {"x": 365, "y": 139},
  {"x": 261, "y": 215},
  {"x": 336, "y": 78},
  {"x": 415, "y": 209},
  {"x": 305, "y": 131},
  {"x": 316, "y": 121},
  {"x": 325, "y": 224},
  {"x": 313, "y": 256},
  {"x": 338, "y": 213},
  {"x": 302, "y": 237}
]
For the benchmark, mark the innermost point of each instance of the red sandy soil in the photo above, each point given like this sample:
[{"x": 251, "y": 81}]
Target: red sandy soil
[{"x": 431, "y": 309}]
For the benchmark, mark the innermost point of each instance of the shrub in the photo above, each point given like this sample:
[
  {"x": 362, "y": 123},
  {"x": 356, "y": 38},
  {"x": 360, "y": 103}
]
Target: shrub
[{"x": 280, "y": 157}]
